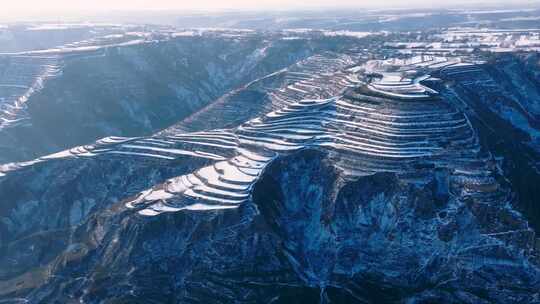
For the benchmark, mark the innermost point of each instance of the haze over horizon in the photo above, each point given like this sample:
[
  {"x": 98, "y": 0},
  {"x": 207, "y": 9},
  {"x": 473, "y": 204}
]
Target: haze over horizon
[{"x": 34, "y": 7}]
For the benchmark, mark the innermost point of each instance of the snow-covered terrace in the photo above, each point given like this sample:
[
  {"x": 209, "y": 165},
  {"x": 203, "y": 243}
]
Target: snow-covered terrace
[{"x": 365, "y": 133}]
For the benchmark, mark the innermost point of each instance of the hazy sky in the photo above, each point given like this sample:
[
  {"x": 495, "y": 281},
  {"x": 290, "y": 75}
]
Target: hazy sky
[{"x": 9, "y": 6}]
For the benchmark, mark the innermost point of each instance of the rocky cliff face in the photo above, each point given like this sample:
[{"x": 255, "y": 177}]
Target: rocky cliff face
[
  {"x": 317, "y": 235},
  {"x": 383, "y": 239}
]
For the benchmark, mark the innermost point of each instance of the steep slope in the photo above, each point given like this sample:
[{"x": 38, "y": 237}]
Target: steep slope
[
  {"x": 502, "y": 99},
  {"x": 138, "y": 89}
]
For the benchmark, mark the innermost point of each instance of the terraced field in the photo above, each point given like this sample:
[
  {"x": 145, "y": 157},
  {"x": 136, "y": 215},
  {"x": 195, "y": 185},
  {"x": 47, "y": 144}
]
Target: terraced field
[
  {"x": 370, "y": 123},
  {"x": 23, "y": 73},
  {"x": 20, "y": 77}
]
